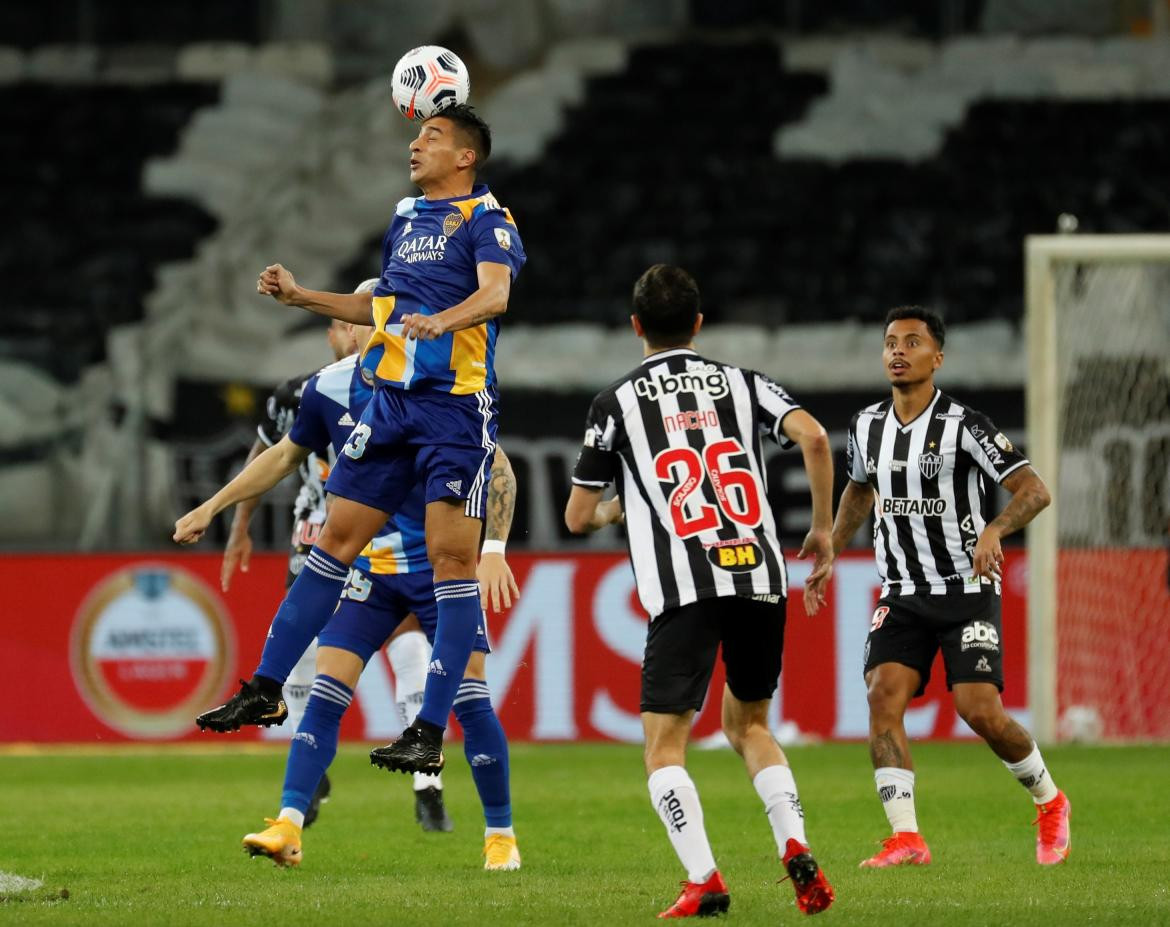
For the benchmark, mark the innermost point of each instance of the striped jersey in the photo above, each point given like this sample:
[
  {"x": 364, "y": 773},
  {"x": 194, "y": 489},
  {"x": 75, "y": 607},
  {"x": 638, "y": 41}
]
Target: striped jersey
[
  {"x": 682, "y": 438},
  {"x": 928, "y": 480},
  {"x": 331, "y": 403},
  {"x": 429, "y": 258},
  {"x": 309, "y": 505}
]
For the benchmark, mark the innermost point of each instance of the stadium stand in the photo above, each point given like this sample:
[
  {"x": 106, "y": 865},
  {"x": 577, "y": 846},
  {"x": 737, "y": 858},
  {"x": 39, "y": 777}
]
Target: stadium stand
[
  {"x": 866, "y": 172},
  {"x": 82, "y": 239}
]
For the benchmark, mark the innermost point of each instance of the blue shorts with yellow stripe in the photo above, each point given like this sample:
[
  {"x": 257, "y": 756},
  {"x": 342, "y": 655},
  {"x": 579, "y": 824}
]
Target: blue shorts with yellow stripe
[
  {"x": 373, "y": 605},
  {"x": 443, "y": 440}
]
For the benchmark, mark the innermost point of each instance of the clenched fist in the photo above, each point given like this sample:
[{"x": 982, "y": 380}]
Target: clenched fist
[{"x": 278, "y": 283}]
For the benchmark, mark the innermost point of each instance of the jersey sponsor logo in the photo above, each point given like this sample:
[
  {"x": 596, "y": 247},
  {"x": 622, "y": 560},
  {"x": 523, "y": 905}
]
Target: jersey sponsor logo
[
  {"x": 943, "y": 416},
  {"x": 736, "y": 557},
  {"x": 150, "y": 646},
  {"x": 690, "y": 421},
  {"x": 701, "y": 378},
  {"x": 898, "y": 505},
  {"x": 879, "y": 617},
  {"x": 346, "y": 420},
  {"x": 982, "y": 666},
  {"x": 451, "y": 223},
  {"x": 456, "y": 486},
  {"x": 980, "y": 635},
  {"x": 988, "y": 444},
  {"x": 504, "y": 239},
  {"x": 930, "y": 465},
  {"x": 422, "y": 248},
  {"x": 406, "y": 229}
]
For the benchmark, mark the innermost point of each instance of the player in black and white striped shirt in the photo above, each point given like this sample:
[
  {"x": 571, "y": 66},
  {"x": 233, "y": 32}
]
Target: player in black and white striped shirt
[
  {"x": 681, "y": 436},
  {"x": 921, "y": 461}
]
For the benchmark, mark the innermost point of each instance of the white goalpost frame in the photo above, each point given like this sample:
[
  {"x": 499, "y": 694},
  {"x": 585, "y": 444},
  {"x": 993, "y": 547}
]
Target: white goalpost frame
[{"x": 1042, "y": 254}]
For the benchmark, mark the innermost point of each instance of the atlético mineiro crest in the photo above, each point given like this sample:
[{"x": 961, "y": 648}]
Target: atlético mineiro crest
[{"x": 930, "y": 465}]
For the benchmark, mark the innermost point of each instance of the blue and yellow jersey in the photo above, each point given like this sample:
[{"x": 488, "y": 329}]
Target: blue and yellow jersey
[
  {"x": 429, "y": 258},
  {"x": 332, "y": 401}
]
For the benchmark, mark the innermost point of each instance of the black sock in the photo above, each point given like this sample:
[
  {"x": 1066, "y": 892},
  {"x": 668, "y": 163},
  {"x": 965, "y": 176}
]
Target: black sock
[
  {"x": 432, "y": 733},
  {"x": 266, "y": 686}
]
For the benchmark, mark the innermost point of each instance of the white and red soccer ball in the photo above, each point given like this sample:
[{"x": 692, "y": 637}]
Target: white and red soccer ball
[{"x": 427, "y": 80}]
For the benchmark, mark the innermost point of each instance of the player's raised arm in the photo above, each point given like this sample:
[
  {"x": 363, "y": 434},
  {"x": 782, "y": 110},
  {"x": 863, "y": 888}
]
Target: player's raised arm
[
  {"x": 254, "y": 480},
  {"x": 238, "y": 550},
  {"x": 496, "y": 582},
  {"x": 276, "y": 281},
  {"x": 806, "y": 432},
  {"x": 1029, "y": 497},
  {"x": 486, "y": 303}
]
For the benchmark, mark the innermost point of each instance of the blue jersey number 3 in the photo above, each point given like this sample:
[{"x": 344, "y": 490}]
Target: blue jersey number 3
[{"x": 356, "y": 445}]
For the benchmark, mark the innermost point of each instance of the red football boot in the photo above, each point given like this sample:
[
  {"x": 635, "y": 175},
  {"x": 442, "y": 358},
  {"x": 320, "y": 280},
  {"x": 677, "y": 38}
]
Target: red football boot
[
  {"x": 700, "y": 900},
  {"x": 906, "y": 847},
  {"x": 813, "y": 891},
  {"x": 1053, "y": 840}
]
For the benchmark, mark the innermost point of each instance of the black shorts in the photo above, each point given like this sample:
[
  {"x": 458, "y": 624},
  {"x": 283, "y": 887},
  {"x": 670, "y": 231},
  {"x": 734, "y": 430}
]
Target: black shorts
[
  {"x": 681, "y": 646},
  {"x": 911, "y": 629}
]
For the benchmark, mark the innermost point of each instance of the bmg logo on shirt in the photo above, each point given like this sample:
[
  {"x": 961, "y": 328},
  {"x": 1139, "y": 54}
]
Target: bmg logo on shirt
[{"x": 701, "y": 378}]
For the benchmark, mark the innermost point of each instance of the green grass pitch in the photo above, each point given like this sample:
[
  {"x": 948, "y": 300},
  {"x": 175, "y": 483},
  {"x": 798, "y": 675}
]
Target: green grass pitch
[{"x": 153, "y": 838}]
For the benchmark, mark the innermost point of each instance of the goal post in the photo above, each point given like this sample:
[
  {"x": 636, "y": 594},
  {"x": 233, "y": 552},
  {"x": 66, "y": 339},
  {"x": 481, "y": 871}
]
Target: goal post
[{"x": 1097, "y": 324}]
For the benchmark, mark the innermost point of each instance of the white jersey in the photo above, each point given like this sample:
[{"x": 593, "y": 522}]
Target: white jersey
[
  {"x": 929, "y": 490},
  {"x": 682, "y": 438}
]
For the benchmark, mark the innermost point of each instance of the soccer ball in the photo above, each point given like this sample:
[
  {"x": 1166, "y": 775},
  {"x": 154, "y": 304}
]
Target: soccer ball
[{"x": 427, "y": 80}]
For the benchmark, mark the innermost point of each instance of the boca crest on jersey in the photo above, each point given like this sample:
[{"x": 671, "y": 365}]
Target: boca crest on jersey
[{"x": 429, "y": 257}]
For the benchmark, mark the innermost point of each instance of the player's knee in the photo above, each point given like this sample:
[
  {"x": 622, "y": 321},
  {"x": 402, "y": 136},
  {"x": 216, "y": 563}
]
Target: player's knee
[
  {"x": 885, "y": 700},
  {"x": 985, "y": 718},
  {"x": 451, "y": 564},
  {"x": 340, "y": 543}
]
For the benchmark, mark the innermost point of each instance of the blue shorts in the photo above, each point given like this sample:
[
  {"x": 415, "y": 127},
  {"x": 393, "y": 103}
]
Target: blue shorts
[
  {"x": 374, "y": 604},
  {"x": 444, "y": 441}
]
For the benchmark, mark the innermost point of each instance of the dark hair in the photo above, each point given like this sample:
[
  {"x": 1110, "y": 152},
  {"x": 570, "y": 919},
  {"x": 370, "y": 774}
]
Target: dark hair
[
  {"x": 477, "y": 135},
  {"x": 666, "y": 302},
  {"x": 933, "y": 320}
]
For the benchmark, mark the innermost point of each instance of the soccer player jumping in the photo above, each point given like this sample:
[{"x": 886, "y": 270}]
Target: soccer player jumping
[
  {"x": 922, "y": 458},
  {"x": 449, "y": 258},
  {"x": 682, "y": 437}
]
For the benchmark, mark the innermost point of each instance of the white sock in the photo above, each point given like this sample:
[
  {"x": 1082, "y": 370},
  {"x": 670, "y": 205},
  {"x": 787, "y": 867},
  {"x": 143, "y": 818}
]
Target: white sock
[
  {"x": 409, "y": 654},
  {"x": 297, "y": 686},
  {"x": 506, "y": 831},
  {"x": 676, "y": 800},
  {"x": 1033, "y": 776},
  {"x": 777, "y": 790},
  {"x": 291, "y": 814},
  {"x": 895, "y": 788},
  {"x": 428, "y": 781}
]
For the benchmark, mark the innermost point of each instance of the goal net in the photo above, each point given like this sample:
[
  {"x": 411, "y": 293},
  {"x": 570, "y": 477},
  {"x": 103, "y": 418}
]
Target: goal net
[{"x": 1098, "y": 327}]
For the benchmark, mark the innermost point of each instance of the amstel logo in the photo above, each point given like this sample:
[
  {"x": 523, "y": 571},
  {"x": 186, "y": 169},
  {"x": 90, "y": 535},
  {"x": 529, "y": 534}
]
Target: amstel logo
[{"x": 151, "y": 647}]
